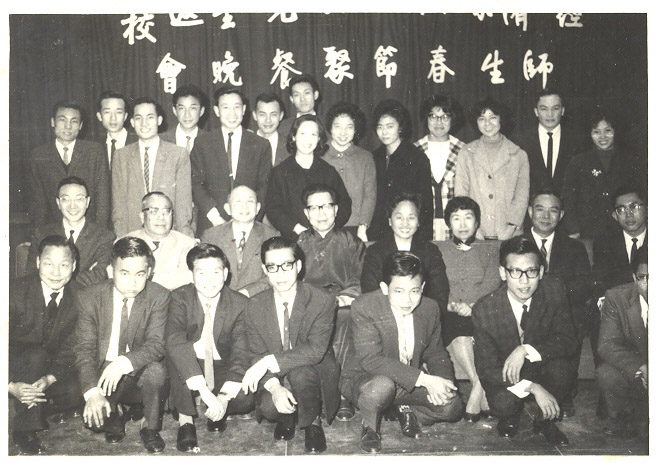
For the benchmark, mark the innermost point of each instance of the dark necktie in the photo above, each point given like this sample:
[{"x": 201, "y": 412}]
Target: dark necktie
[
  {"x": 549, "y": 155},
  {"x": 188, "y": 144},
  {"x": 71, "y": 239},
  {"x": 113, "y": 148},
  {"x": 146, "y": 169},
  {"x": 286, "y": 327},
  {"x": 123, "y": 329},
  {"x": 544, "y": 251},
  {"x": 633, "y": 250},
  {"x": 208, "y": 340},
  {"x": 241, "y": 247},
  {"x": 229, "y": 149},
  {"x": 66, "y": 158},
  {"x": 388, "y": 159},
  {"x": 51, "y": 312},
  {"x": 524, "y": 317},
  {"x": 157, "y": 245}
]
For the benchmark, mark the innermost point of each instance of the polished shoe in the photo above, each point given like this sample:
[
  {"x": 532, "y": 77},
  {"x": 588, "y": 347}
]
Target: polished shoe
[
  {"x": 345, "y": 410},
  {"x": 409, "y": 422},
  {"x": 371, "y": 440},
  {"x": 471, "y": 417},
  {"x": 567, "y": 409},
  {"x": 186, "y": 440},
  {"x": 216, "y": 426},
  {"x": 151, "y": 440},
  {"x": 391, "y": 414},
  {"x": 115, "y": 436},
  {"x": 314, "y": 439},
  {"x": 508, "y": 427},
  {"x": 552, "y": 434},
  {"x": 285, "y": 428},
  {"x": 29, "y": 443},
  {"x": 135, "y": 412},
  {"x": 485, "y": 414},
  {"x": 115, "y": 428}
]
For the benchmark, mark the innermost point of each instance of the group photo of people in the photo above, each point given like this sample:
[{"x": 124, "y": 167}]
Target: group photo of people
[{"x": 278, "y": 234}]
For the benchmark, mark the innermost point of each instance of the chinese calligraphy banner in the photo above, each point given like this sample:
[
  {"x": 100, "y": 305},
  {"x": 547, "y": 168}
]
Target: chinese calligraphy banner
[{"x": 362, "y": 58}]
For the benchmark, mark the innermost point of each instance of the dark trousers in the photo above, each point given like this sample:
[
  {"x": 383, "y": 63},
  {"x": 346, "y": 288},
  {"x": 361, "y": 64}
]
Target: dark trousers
[
  {"x": 182, "y": 399},
  {"x": 342, "y": 335},
  {"x": 28, "y": 364},
  {"x": 148, "y": 385},
  {"x": 373, "y": 394},
  {"x": 552, "y": 375},
  {"x": 620, "y": 394},
  {"x": 306, "y": 386}
]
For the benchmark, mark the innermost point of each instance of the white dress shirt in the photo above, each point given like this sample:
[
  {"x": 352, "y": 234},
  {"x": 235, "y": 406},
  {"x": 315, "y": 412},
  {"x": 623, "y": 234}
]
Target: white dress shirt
[
  {"x": 118, "y": 144},
  {"x": 76, "y": 230},
  {"x": 48, "y": 291},
  {"x": 237, "y": 232},
  {"x": 543, "y": 143},
  {"x": 549, "y": 243},
  {"x": 200, "y": 346},
  {"x": 273, "y": 139},
  {"x": 60, "y": 149},
  {"x": 406, "y": 339},
  {"x": 181, "y": 137},
  {"x": 236, "y": 139},
  {"x": 278, "y": 303},
  {"x": 644, "y": 313},
  {"x": 628, "y": 239}
]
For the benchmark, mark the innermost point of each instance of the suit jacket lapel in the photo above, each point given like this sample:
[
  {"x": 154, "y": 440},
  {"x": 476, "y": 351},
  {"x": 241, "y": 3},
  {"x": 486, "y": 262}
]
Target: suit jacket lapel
[
  {"x": 220, "y": 315},
  {"x": 390, "y": 343},
  {"x": 83, "y": 241},
  {"x": 197, "y": 316},
  {"x": 419, "y": 335},
  {"x": 252, "y": 244},
  {"x": 270, "y": 323},
  {"x": 298, "y": 309},
  {"x": 56, "y": 157},
  {"x": 106, "y": 308},
  {"x": 636, "y": 324},
  {"x": 136, "y": 315},
  {"x": 135, "y": 167},
  {"x": 159, "y": 167},
  {"x": 507, "y": 319}
]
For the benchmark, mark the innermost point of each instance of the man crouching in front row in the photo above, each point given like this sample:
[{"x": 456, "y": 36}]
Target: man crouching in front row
[{"x": 395, "y": 331}]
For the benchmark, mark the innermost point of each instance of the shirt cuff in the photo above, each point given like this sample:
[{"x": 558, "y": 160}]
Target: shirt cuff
[
  {"x": 214, "y": 216},
  {"x": 519, "y": 389},
  {"x": 91, "y": 392},
  {"x": 195, "y": 383},
  {"x": 271, "y": 382},
  {"x": 418, "y": 380},
  {"x": 51, "y": 379},
  {"x": 125, "y": 364},
  {"x": 272, "y": 364},
  {"x": 231, "y": 389},
  {"x": 532, "y": 353}
]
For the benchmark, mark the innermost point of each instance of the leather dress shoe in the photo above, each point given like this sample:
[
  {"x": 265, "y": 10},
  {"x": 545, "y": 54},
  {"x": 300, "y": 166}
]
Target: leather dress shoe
[
  {"x": 508, "y": 427},
  {"x": 314, "y": 439},
  {"x": 409, "y": 423},
  {"x": 285, "y": 428},
  {"x": 552, "y": 434},
  {"x": 216, "y": 426},
  {"x": 345, "y": 410},
  {"x": 471, "y": 417},
  {"x": 371, "y": 440},
  {"x": 151, "y": 440},
  {"x": 186, "y": 440},
  {"x": 485, "y": 414},
  {"x": 115, "y": 428},
  {"x": 115, "y": 436},
  {"x": 29, "y": 443}
]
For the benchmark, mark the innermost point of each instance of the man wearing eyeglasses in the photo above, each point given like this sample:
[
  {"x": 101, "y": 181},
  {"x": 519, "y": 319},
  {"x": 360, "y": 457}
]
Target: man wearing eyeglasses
[
  {"x": 524, "y": 336},
  {"x": 169, "y": 247},
  {"x": 623, "y": 374},
  {"x": 94, "y": 242},
  {"x": 294, "y": 371}
]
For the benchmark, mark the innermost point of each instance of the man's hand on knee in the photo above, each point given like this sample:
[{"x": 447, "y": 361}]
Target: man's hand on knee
[
  {"x": 26, "y": 393},
  {"x": 96, "y": 408},
  {"x": 283, "y": 399},
  {"x": 547, "y": 403}
]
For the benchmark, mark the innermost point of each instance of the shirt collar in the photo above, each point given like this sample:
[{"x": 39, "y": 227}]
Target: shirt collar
[
  {"x": 118, "y": 298},
  {"x": 278, "y": 302},
  {"x": 180, "y": 133},
  {"x": 70, "y": 146},
  {"x": 549, "y": 239},
  {"x": 300, "y": 114},
  {"x": 555, "y": 131},
  {"x": 153, "y": 146},
  {"x": 516, "y": 305},
  {"x": 121, "y": 137},
  {"x": 77, "y": 229},
  {"x": 237, "y": 229},
  {"x": 213, "y": 302},
  {"x": 48, "y": 291},
  {"x": 640, "y": 239},
  {"x": 236, "y": 132}
]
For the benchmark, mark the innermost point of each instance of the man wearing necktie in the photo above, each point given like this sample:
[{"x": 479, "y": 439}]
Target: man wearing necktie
[
  {"x": 188, "y": 105},
  {"x": 524, "y": 338},
  {"x": 294, "y": 371},
  {"x": 112, "y": 112},
  {"x": 42, "y": 379},
  {"x": 567, "y": 259},
  {"x": 623, "y": 374},
  {"x": 207, "y": 349},
  {"x": 226, "y": 158},
  {"x": 120, "y": 345},
  {"x": 400, "y": 366},
  {"x": 151, "y": 164}
]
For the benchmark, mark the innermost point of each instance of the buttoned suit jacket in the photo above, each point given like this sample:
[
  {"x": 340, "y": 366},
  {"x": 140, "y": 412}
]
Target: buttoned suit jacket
[
  {"x": 171, "y": 176},
  {"x": 249, "y": 275},
  {"x": 211, "y": 184},
  {"x": 611, "y": 266},
  {"x": 311, "y": 324},
  {"x": 94, "y": 245},
  {"x": 376, "y": 348},
  {"x": 44, "y": 170},
  {"x": 146, "y": 328},
  {"x": 550, "y": 330},
  {"x": 185, "y": 326},
  {"x": 28, "y": 327},
  {"x": 539, "y": 178},
  {"x": 623, "y": 338}
]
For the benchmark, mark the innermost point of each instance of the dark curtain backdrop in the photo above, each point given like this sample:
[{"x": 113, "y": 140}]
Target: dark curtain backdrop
[{"x": 76, "y": 57}]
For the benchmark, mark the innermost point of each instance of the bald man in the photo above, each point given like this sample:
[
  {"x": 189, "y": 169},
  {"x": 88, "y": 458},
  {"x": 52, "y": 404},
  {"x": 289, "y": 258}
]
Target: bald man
[{"x": 241, "y": 239}]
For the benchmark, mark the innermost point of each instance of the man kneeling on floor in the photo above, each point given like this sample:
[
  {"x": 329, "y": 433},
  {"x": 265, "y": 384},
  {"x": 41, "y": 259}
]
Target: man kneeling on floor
[
  {"x": 395, "y": 332},
  {"x": 206, "y": 341},
  {"x": 524, "y": 337}
]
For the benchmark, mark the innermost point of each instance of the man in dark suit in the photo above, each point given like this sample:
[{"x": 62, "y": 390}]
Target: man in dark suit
[
  {"x": 289, "y": 329},
  {"x": 566, "y": 259},
  {"x": 548, "y": 141},
  {"x": 524, "y": 337},
  {"x": 395, "y": 332},
  {"x": 48, "y": 164},
  {"x": 623, "y": 374},
  {"x": 206, "y": 342},
  {"x": 241, "y": 239},
  {"x": 304, "y": 96},
  {"x": 120, "y": 345},
  {"x": 189, "y": 105},
  {"x": 268, "y": 114},
  {"x": 149, "y": 165},
  {"x": 226, "y": 158},
  {"x": 112, "y": 112},
  {"x": 41, "y": 320},
  {"x": 94, "y": 242}
]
